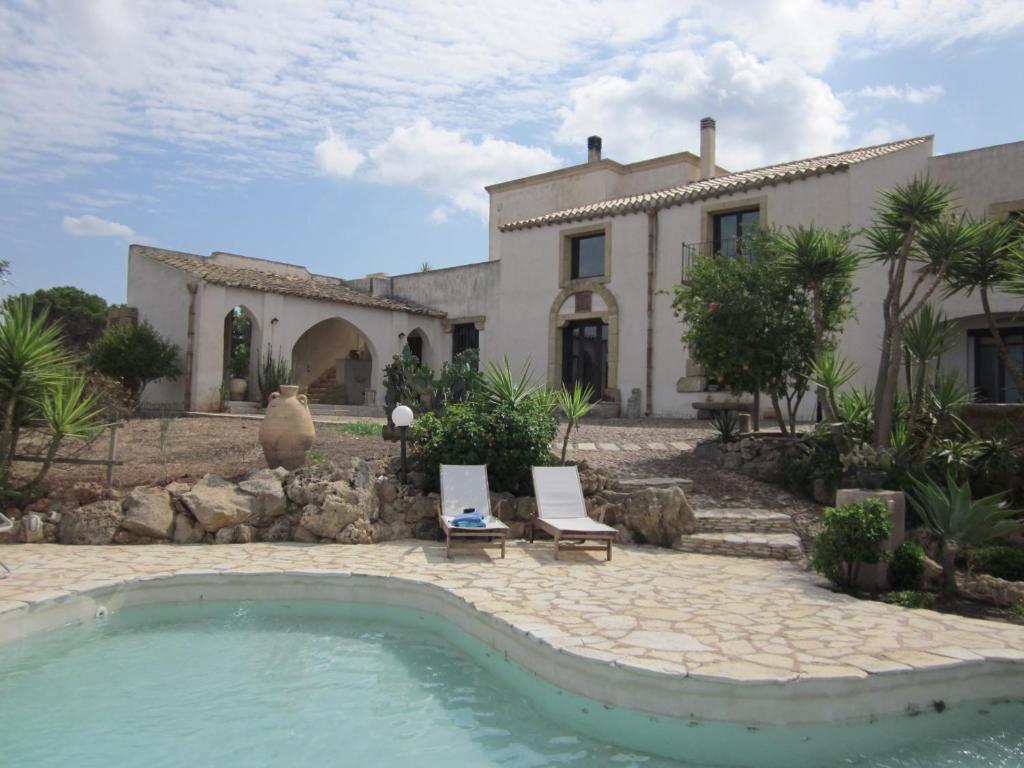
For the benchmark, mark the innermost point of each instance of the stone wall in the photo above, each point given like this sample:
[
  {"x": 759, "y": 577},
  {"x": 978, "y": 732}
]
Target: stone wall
[
  {"x": 358, "y": 504},
  {"x": 756, "y": 457}
]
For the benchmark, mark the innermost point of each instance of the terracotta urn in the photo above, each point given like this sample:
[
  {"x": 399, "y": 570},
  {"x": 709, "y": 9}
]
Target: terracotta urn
[
  {"x": 238, "y": 388},
  {"x": 287, "y": 433}
]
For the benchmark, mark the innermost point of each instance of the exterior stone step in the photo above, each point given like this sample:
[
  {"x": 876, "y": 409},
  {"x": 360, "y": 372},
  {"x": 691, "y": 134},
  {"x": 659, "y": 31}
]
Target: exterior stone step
[
  {"x": 242, "y": 406},
  {"x": 742, "y": 520},
  {"x": 777, "y": 546}
]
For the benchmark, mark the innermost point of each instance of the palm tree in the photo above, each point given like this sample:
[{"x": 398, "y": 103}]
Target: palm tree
[
  {"x": 822, "y": 263},
  {"x": 990, "y": 264},
  {"x": 915, "y": 227},
  {"x": 955, "y": 520}
]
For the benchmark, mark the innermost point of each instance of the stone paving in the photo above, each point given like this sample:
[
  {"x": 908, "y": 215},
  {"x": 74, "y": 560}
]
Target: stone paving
[{"x": 704, "y": 616}]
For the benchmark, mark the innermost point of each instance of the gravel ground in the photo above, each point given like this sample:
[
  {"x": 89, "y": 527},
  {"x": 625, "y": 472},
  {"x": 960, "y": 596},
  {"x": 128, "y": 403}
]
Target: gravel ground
[{"x": 229, "y": 447}]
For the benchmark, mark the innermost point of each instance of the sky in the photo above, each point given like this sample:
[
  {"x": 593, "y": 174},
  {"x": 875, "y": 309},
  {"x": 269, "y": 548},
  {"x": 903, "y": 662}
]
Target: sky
[{"x": 357, "y": 137}]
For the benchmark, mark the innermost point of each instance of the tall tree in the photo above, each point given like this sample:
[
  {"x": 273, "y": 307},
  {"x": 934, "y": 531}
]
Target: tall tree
[
  {"x": 81, "y": 316},
  {"x": 917, "y": 237},
  {"x": 822, "y": 264},
  {"x": 989, "y": 265}
]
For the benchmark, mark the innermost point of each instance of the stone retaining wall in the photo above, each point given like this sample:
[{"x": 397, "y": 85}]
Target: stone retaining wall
[
  {"x": 358, "y": 504},
  {"x": 756, "y": 457}
]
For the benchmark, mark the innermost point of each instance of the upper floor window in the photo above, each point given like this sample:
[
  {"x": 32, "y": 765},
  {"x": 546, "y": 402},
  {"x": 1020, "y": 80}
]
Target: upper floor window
[
  {"x": 587, "y": 256},
  {"x": 731, "y": 228},
  {"x": 992, "y": 382}
]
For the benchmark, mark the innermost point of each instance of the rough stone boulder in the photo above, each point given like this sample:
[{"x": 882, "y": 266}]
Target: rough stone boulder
[
  {"x": 656, "y": 516},
  {"x": 235, "y": 534},
  {"x": 216, "y": 503},
  {"x": 331, "y": 518},
  {"x": 95, "y": 523},
  {"x": 267, "y": 492},
  {"x": 186, "y": 530},
  {"x": 148, "y": 512}
]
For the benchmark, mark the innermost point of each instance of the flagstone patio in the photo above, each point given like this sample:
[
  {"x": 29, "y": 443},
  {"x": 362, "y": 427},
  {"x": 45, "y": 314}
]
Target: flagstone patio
[{"x": 680, "y": 613}]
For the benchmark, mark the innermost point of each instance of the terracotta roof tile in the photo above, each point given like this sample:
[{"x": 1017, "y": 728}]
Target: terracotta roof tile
[
  {"x": 306, "y": 286},
  {"x": 719, "y": 185}
]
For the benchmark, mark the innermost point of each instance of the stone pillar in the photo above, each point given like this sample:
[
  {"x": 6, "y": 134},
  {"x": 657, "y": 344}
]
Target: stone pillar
[{"x": 876, "y": 575}]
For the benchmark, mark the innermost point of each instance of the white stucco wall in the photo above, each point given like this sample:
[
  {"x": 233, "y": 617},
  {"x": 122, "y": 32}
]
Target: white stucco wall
[
  {"x": 160, "y": 294},
  {"x": 162, "y": 298}
]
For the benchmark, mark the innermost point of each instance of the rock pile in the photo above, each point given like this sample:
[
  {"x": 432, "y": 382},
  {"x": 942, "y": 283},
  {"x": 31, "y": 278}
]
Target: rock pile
[{"x": 358, "y": 504}]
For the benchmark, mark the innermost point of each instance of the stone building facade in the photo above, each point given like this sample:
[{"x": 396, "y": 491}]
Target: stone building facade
[{"x": 580, "y": 267}]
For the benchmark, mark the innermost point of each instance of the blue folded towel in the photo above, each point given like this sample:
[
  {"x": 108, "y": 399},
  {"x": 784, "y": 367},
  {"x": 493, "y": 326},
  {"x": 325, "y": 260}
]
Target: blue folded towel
[{"x": 472, "y": 519}]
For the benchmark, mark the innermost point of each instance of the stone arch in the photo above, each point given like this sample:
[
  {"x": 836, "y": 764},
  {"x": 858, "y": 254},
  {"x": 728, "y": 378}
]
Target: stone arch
[
  {"x": 229, "y": 346},
  {"x": 419, "y": 343},
  {"x": 333, "y": 362},
  {"x": 558, "y": 320}
]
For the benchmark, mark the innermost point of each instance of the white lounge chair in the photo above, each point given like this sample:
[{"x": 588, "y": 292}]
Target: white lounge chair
[
  {"x": 6, "y": 525},
  {"x": 464, "y": 487},
  {"x": 562, "y": 512}
]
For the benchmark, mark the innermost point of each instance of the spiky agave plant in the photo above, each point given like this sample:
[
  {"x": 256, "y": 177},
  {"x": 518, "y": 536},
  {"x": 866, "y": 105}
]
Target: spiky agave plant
[
  {"x": 955, "y": 519},
  {"x": 502, "y": 387}
]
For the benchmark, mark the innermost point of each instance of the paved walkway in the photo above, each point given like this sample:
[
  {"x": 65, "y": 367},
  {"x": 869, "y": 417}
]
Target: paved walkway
[
  {"x": 631, "y": 447},
  {"x": 707, "y": 617}
]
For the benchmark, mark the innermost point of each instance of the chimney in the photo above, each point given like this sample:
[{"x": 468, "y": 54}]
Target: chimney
[
  {"x": 707, "y": 147},
  {"x": 593, "y": 149}
]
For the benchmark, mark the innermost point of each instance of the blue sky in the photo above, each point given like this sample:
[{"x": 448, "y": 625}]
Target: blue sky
[{"x": 357, "y": 137}]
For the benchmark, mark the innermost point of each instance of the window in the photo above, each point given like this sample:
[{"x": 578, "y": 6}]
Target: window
[
  {"x": 730, "y": 229},
  {"x": 585, "y": 355},
  {"x": 464, "y": 336},
  {"x": 991, "y": 379},
  {"x": 587, "y": 256}
]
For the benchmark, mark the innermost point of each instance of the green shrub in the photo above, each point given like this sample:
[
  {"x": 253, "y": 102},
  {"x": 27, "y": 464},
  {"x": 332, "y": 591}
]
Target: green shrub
[
  {"x": 851, "y": 535},
  {"x": 906, "y": 568},
  {"x": 508, "y": 438},
  {"x": 1001, "y": 561},
  {"x": 135, "y": 355},
  {"x": 911, "y": 598}
]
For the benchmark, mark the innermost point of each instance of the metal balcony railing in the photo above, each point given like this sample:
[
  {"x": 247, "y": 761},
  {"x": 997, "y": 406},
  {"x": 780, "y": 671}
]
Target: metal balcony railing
[{"x": 731, "y": 248}]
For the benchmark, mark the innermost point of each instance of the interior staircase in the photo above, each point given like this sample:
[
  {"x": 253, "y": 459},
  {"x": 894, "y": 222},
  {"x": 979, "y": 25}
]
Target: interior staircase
[
  {"x": 321, "y": 388},
  {"x": 743, "y": 532}
]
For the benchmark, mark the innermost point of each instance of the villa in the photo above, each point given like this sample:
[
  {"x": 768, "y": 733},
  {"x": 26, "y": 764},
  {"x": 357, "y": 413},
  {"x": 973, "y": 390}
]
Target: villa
[{"x": 580, "y": 263}]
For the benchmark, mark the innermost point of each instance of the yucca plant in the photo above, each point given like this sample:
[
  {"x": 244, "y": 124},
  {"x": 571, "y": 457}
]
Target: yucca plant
[
  {"x": 502, "y": 387},
  {"x": 32, "y": 361},
  {"x": 66, "y": 410},
  {"x": 575, "y": 404},
  {"x": 832, "y": 372},
  {"x": 927, "y": 336},
  {"x": 956, "y": 520}
]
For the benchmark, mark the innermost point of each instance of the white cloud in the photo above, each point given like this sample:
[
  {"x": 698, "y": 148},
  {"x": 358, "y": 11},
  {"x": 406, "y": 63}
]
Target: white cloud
[
  {"x": 767, "y": 110},
  {"x": 228, "y": 92},
  {"x": 88, "y": 225},
  {"x": 446, "y": 164},
  {"x": 907, "y": 93},
  {"x": 334, "y": 157},
  {"x": 439, "y": 215}
]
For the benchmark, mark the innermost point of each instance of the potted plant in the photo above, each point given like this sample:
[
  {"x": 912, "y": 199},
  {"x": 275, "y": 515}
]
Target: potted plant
[{"x": 239, "y": 384}]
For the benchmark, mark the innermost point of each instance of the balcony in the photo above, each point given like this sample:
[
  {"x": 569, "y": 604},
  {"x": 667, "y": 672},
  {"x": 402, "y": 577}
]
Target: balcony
[{"x": 730, "y": 248}]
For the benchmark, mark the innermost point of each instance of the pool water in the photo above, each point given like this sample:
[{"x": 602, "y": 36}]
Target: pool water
[{"x": 272, "y": 683}]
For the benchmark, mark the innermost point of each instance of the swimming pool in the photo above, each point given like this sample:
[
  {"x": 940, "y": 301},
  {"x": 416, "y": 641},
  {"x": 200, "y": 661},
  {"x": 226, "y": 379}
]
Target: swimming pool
[{"x": 303, "y": 683}]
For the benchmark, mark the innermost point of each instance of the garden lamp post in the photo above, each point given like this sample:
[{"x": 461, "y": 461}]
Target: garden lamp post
[{"x": 402, "y": 418}]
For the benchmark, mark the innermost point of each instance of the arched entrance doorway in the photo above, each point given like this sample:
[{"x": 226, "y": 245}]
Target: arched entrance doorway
[
  {"x": 419, "y": 345},
  {"x": 241, "y": 338},
  {"x": 333, "y": 362}
]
